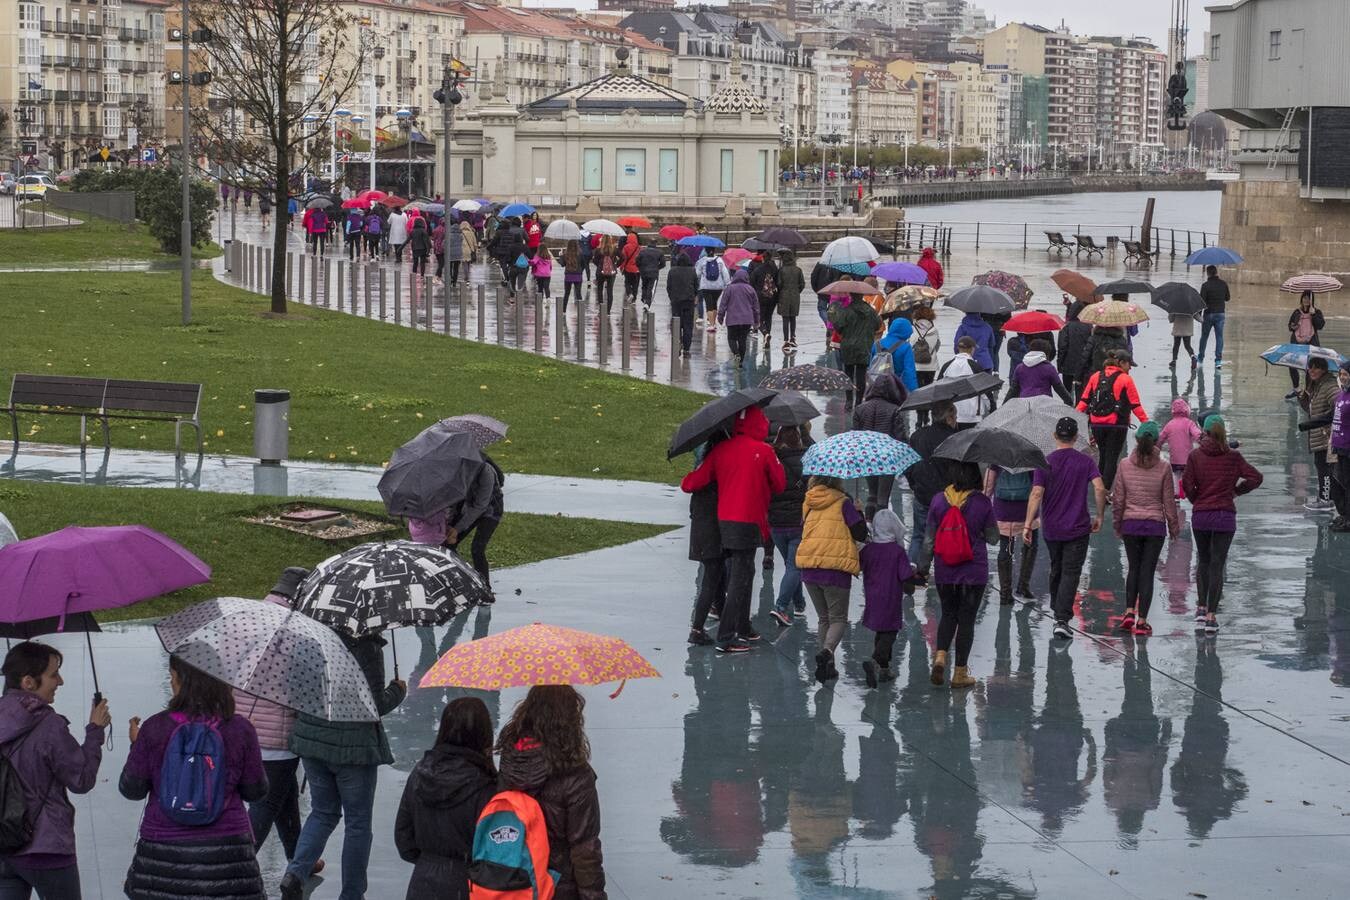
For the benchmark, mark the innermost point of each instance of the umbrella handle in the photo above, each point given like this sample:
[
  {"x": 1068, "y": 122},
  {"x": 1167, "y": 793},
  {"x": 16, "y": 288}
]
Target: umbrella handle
[{"x": 393, "y": 645}]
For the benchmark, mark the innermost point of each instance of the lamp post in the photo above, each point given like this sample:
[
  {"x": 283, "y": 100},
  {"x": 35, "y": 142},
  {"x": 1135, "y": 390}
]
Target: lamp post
[
  {"x": 449, "y": 97},
  {"x": 405, "y": 124},
  {"x": 344, "y": 114},
  {"x": 356, "y": 120}
]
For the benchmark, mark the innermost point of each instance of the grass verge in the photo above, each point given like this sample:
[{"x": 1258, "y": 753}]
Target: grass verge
[
  {"x": 94, "y": 239},
  {"x": 246, "y": 558}
]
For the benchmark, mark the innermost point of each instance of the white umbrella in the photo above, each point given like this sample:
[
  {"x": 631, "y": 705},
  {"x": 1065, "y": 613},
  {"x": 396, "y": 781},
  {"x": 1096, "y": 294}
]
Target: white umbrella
[
  {"x": 562, "y": 230},
  {"x": 847, "y": 250},
  {"x": 604, "y": 226},
  {"x": 467, "y": 205}
]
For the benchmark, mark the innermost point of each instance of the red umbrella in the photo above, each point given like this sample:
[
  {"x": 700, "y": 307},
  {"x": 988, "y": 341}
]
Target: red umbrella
[
  {"x": 675, "y": 232},
  {"x": 634, "y": 222},
  {"x": 1033, "y": 321},
  {"x": 394, "y": 202},
  {"x": 372, "y": 195},
  {"x": 735, "y": 255},
  {"x": 356, "y": 203}
]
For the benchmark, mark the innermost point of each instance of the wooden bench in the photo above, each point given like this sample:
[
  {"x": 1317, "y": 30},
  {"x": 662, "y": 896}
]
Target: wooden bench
[
  {"x": 104, "y": 399},
  {"x": 1057, "y": 242},
  {"x": 1134, "y": 250},
  {"x": 1087, "y": 245}
]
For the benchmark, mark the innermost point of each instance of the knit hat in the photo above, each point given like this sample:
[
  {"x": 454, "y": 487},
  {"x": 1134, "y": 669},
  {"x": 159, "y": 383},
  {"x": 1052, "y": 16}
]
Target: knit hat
[
  {"x": 1147, "y": 430},
  {"x": 1214, "y": 419}
]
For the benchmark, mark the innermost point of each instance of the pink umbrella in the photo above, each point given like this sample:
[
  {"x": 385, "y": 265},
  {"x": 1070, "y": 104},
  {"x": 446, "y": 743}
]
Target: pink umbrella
[
  {"x": 735, "y": 255},
  {"x": 375, "y": 196},
  {"x": 357, "y": 203},
  {"x": 1316, "y": 283}
]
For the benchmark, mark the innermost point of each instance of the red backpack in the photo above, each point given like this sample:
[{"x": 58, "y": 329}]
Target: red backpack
[{"x": 952, "y": 542}]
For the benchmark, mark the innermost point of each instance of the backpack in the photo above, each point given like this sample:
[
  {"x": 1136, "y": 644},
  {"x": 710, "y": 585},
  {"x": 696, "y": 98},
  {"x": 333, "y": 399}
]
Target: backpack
[
  {"x": 768, "y": 286},
  {"x": 1103, "y": 401},
  {"x": 952, "y": 543},
  {"x": 373, "y": 225},
  {"x": 923, "y": 352},
  {"x": 192, "y": 774},
  {"x": 509, "y": 859},
  {"x": 522, "y": 261},
  {"x": 711, "y": 270},
  {"x": 607, "y": 264},
  {"x": 1013, "y": 486},
  {"x": 16, "y": 822},
  {"x": 883, "y": 363}
]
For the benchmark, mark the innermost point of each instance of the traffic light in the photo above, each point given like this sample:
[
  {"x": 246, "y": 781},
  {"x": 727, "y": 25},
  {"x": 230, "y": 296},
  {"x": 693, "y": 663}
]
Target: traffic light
[
  {"x": 201, "y": 79},
  {"x": 175, "y": 76}
]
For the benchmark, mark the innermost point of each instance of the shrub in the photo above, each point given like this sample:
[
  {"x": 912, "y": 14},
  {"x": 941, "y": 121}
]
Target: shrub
[{"x": 159, "y": 201}]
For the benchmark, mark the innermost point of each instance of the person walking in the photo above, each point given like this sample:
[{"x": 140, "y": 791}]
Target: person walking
[
  {"x": 855, "y": 323},
  {"x": 1009, "y": 492},
  {"x": 352, "y": 225},
  {"x": 961, "y": 526},
  {"x": 1057, "y": 495},
  {"x": 1340, "y": 453},
  {"x": 36, "y": 742},
  {"x": 534, "y": 234},
  {"x": 924, "y": 349},
  {"x": 541, "y": 267},
  {"x": 397, "y": 229},
  {"x": 545, "y": 753},
  {"x": 292, "y": 208},
  {"x": 172, "y": 858},
  {"x": 468, "y": 252},
  {"x": 713, "y": 279},
  {"x": 896, "y": 342},
  {"x": 887, "y": 576},
  {"x": 1179, "y": 437},
  {"x": 970, "y": 411},
  {"x": 1215, "y": 476},
  {"x": 1318, "y": 400},
  {"x": 446, "y": 239},
  {"x": 628, "y": 263},
  {"x": 372, "y": 227},
  {"x": 785, "y": 523},
  {"x": 981, "y": 334},
  {"x": 315, "y": 223},
  {"x": 1305, "y": 326},
  {"x": 1215, "y": 294},
  {"x": 880, "y": 411},
  {"x": 682, "y": 288},
  {"x": 747, "y": 475},
  {"x": 265, "y": 211},
  {"x": 828, "y": 558},
  {"x": 926, "y": 478},
  {"x": 705, "y": 548},
  {"x": 1035, "y": 376},
  {"x": 1070, "y": 357},
  {"x": 928, "y": 261},
  {"x": 573, "y": 269},
  {"x": 419, "y": 243},
  {"x": 480, "y": 512},
  {"x": 650, "y": 262},
  {"x": 738, "y": 309},
  {"x": 1102, "y": 344},
  {"x": 1183, "y": 329},
  {"x": 1144, "y": 512},
  {"x": 767, "y": 281},
  {"x": 791, "y": 284},
  {"x": 1109, "y": 398},
  {"x": 607, "y": 265},
  {"x": 441, "y": 802}
]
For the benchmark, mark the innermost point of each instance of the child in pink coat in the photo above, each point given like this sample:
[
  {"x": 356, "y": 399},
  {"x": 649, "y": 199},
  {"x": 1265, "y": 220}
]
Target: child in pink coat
[
  {"x": 541, "y": 266},
  {"x": 1180, "y": 436}
]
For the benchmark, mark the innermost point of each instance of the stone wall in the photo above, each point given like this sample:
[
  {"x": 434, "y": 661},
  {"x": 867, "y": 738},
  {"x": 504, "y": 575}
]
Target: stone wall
[{"x": 1280, "y": 234}]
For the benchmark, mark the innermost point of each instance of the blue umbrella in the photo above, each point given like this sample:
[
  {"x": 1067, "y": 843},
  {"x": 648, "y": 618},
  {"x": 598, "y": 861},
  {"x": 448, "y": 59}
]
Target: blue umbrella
[
  {"x": 1296, "y": 356},
  {"x": 861, "y": 269},
  {"x": 1213, "y": 256},
  {"x": 701, "y": 240},
  {"x": 515, "y": 209},
  {"x": 856, "y": 454}
]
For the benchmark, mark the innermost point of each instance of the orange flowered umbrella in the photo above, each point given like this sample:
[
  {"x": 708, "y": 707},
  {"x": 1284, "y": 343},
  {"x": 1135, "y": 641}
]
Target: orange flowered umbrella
[{"x": 538, "y": 654}]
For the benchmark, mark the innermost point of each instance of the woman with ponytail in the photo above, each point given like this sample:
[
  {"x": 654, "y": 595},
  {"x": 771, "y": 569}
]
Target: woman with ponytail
[{"x": 1144, "y": 506}]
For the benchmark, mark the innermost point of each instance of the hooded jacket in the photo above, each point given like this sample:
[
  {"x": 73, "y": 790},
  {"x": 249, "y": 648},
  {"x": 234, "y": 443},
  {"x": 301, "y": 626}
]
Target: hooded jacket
[
  {"x": 420, "y": 238},
  {"x": 353, "y": 743},
  {"x": 628, "y": 254},
  {"x": 681, "y": 283},
  {"x": 508, "y": 244},
  {"x": 436, "y": 818},
  {"x": 1036, "y": 377},
  {"x": 1320, "y": 403},
  {"x": 650, "y": 261},
  {"x": 785, "y": 509},
  {"x": 880, "y": 409},
  {"x": 759, "y": 275},
  {"x": 1125, "y": 393},
  {"x": 928, "y": 261},
  {"x": 746, "y": 471},
  {"x": 1073, "y": 338},
  {"x": 1216, "y": 475},
  {"x": 1101, "y": 342},
  {"x": 791, "y": 283},
  {"x": 398, "y": 227},
  {"x": 978, "y": 329},
  {"x": 856, "y": 324},
  {"x": 49, "y": 761},
  {"x": 1144, "y": 491},
  {"x": 885, "y": 568},
  {"x": 896, "y": 342},
  {"x": 1180, "y": 435},
  {"x": 738, "y": 304},
  {"x": 571, "y": 807},
  {"x": 827, "y": 542},
  {"x": 713, "y": 284}
]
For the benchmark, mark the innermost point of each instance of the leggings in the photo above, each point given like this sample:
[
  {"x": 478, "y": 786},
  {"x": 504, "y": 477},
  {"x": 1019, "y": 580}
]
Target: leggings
[
  {"x": 766, "y": 308},
  {"x": 1142, "y": 552},
  {"x": 631, "y": 285},
  {"x": 17, "y": 882},
  {"x": 353, "y": 245},
  {"x": 482, "y": 533},
  {"x": 789, "y": 328},
  {"x": 857, "y": 372},
  {"x": 831, "y": 605},
  {"x": 1323, "y": 474},
  {"x": 1211, "y": 555},
  {"x": 1179, "y": 339},
  {"x": 419, "y": 262},
  {"x": 737, "y": 336},
  {"x": 708, "y": 300},
  {"x": 960, "y": 603},
  {"x": 372, "y": 245},
  {"x": 1340, "y": 485},
  {"x": 451, "y": 271},
  {"x": 317, "y": 239},
  {"x": 604, "y": 287},
  {"x": 569, "y": 288},
  {"x": 542, "y": 284},
  {"x": 1110, "y": 443},
  {"x": 1295, "y": 379}
]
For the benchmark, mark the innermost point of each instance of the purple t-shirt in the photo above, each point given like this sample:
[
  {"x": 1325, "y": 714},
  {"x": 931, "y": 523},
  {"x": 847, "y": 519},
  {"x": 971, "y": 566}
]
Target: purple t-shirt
[
  {"x": 1340, "y": 423},
  {"x": 243, "y": 765},
  {"x": 834, "y": 577},
  {"x": 979, "y": 515},
  {"x": 1064, "y": 514}
]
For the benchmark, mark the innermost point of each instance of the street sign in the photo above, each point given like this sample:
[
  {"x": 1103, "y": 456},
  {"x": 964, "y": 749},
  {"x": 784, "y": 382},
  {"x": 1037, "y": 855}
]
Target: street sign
[
  {"x": 148, "y": 154},
  {"x": 103, "y": 153}
]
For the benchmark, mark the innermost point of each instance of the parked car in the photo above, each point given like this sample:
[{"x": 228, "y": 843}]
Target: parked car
[
  {"x": 7, "y": 182},
  {"x": 34, "y": 186},
  {"x": 66, "y": 176}
]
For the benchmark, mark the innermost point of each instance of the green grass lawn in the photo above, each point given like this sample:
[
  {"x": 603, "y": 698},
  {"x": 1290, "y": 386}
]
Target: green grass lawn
[
  {"x": 245, "y": 558},
  {"x": 94, "y": 239},
  {"x": 359, "y": 388}
]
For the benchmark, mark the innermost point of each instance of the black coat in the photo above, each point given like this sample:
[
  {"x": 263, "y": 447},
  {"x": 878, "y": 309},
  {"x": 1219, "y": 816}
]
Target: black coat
[
  {"x": 880, "y": 409},
  {"x": 785, "y": 509},
  {"x": 436, "y": 818},
  {"x": 220, "y": 867},
  {"x": 650, "y": 261},
  {"x": 681, "y": 284},
  {"x": 926, "y": 478},
  {"x": 1073, "y": 338},
  {"x": 705, "y": 536},
  {"x": 1101, "y": 342},
  {"x": 508, "y": 243},
  {"x": 1319, "y": 322},
  {"x": 420, "y": 240},
  {"x": 759, "y": 274}
]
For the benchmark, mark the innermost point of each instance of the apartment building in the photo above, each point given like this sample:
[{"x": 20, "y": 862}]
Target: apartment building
[
  {"x": 885, "y": 110},
  {"x": 1131, "y": 81},
  {"x": 834, "y": 88}
]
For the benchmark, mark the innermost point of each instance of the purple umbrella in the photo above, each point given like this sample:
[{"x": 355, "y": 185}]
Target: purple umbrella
[
  {"x": 53, "y": 582},
  {"x": 900, "y": 273}
]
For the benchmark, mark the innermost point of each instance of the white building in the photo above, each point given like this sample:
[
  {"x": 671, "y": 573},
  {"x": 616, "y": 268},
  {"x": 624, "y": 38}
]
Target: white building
[{"x": 834, "y": 90}]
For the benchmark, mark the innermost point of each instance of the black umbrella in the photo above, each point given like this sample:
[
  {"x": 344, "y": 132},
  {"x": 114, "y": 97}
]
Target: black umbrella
[
  {"x": 993, "y": 447},
  {"x": 1123, "y": 286},
  {"x": 790, "y": 408},
  {"x": 320, "y": 202},
  {"x": 1177, "y": 298},
  {"x": 781, "y": 234},
  {"x": 808, "y": 377},
  {"x": 761, "y": 246},
  {"x": 981, "y": 299},
  {"x": 950, "y": 390},
  {"x": 430, "y": 473},
  {"x": 713, "y": 417}
]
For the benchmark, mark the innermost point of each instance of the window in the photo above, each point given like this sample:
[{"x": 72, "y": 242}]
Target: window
[
  {"x": 670, "y": 170},
  {"x": 630, "y": 169},
  {"x": 112, "y": 121},
  {"x": 30, "y": 16},
  {"x": 468, "y": 173},
  {"x": 728, "y": 161},
  {"x": 1213, "y": 48},
  {"x": 1274, "y": 45},
  {"x": 592, "y": 169}
]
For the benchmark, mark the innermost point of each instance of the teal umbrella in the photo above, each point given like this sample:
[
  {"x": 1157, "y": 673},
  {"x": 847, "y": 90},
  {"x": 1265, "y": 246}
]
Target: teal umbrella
[{"x": 857, "y": 454}]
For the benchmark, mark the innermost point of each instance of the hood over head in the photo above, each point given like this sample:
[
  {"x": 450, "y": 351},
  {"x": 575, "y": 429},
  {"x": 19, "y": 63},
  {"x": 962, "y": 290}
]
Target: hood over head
[
  {"x": 752, "y": 423},
  {"x": 740, "y": 276},
  {"x": 524, "y": 766},
  {"x": 449, "y": 775},
  {"x": 887, "y": 388},
  {"x": 928, "y": 253},
  {"x": 1033, "y": 358},
  {"x": 900, "y": 329},
  {"x": 681, "y": 260},
  {"x": 1180, "y": 408},
  {"x": 887, "y": 528},
  {"x": 820, "y": 496},
  {"x": 1076, "y": 307}
]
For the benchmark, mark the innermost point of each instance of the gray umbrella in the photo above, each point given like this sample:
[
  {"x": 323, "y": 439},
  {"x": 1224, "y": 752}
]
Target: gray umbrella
[
  {"x": 274, "y": 653},
  {"x": 992, "y": 447},
  {"x": 1034, "y": 418},
  {"x": 319, "y": 203},
  {"x": 790, "y": 408},
  {"x": 485, "y": 430},
  {"x": 981, "y": 299},
  {"x": 430, "y": 473}
]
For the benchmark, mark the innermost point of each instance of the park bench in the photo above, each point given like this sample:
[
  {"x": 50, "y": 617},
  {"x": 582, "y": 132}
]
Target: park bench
[
  {"x": 104, "y": 399},
  {"x": 1057, "y": 242},
  {"x": 1087, "y": 245},
  {"x": 1134, "y": 250}
]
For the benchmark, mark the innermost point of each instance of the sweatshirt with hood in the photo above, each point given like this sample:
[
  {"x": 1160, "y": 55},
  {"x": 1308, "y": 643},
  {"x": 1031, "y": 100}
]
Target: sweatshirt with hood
[
  {"x": 928, "y": 261},
  {"x": 436, "y": 818},
  {"x": 747, "y": 474},
  {"x": 978, "y": 330},
  {"x": 880, "y": 409},
  {"x": 738, "y": 304},
  {"x": 1034, "y": 376},
  {"x": 896, "y": 342},
  {"x": 885, "y": 569},
  {"x": 1180, "y": 435}
]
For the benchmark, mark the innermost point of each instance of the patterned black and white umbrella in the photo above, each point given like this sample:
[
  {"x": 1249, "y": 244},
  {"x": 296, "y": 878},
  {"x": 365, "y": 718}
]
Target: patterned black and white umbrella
[
  {"x": 272, "y": 652},
  {"x": 390, "y": 584}
]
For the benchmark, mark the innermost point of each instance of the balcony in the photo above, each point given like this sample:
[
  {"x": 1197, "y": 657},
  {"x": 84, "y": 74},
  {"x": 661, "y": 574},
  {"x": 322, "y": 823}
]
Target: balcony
[
  {"x": 46, "y": 25},
  {"x": 140, "y": 66},
  {"x": 140, "y": 34},
  {"x": 48, "y": 60},
  {"x": 93, "y": 64},
  {"x": 124, "y": 34},
  {"x": 62, "y": 96},
  {"x": 75, "y": 27},
  {"x": 93, "y": 28},
  {"x": 77, "y": 96},
  {"x": 95, "y": 96},
  {"x": 126, "y": 65}
]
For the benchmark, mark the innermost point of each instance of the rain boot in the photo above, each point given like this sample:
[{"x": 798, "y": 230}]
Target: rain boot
[
  {"x": 961, "y": 678},
  {"x": 1005, "y": 566},
  {"x": 939, "y": 667},
  {"x": 1024, "y": 573}
]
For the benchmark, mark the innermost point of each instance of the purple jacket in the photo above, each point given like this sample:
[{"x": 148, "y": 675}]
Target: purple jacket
[
  {"x": 49, "y": 761},
  {"x": 1040, "y": 380},
  {"x": 983, "y": 335},
  {"x": 739, "y": 304},
  {"x": 1340, "y": 423},
  {"x": 885, "y": 567}
]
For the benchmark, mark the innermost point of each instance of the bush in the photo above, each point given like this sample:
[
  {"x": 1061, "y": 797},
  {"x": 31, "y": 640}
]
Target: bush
[{"x": 159, "y": 201}]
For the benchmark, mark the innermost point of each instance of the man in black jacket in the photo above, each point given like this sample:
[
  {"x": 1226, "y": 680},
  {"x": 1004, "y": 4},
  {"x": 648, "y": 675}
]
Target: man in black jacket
[
  {"x": 682, "y": 287},
  {"x": 650, "y": 262},
  {"x": 1215, "y": 294},
  {"x": 1070, "y": 356},
  {"x": 926, "y": 479}
]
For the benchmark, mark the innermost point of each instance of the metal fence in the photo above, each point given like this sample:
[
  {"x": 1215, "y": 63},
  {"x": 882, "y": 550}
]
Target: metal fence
[
  {"x": 36, "y": 212},
  {"x": 945, "y": 235}
]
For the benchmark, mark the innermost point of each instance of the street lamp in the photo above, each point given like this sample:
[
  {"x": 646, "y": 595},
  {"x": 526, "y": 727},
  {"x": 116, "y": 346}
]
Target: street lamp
[
  {"x": 405, "y": 124},
  {"x": 345, "y": 115},
  {"x": 449, "y": 97}
]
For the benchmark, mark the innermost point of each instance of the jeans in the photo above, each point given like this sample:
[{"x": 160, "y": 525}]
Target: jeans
[
  {"x": 1066, "y": 567},
  {"x": 831, "y": 605},
  {"x": 1212, "y": 322},
  {"x": 822, "y": 306},
  {"x": 879, "y": 489},
  {"x": 1142, "y": 551},
  {"x": 631, "y": 286},
  {"x": 19, "y": 882},
  {"x": 790, "y": 588},
  {"x": 648, "y": 288},
  {"x": 740, "y": 565},
  {"x": 766, "y": 309},
  {"x": 960, "y": 604},
  {"x": 685, "y": 313},
  {"x": 482, "y": 533},
  {"x": 1110, "y": 443},
  {"x": 281, "y": 806},
  {"x": 857, "y": 373},
  {"x": 918, "y": 528},
  {"x": 1211, "y": 556},
  {"x": 334, "y": 792},
  {"x": 737, "y": 336}
]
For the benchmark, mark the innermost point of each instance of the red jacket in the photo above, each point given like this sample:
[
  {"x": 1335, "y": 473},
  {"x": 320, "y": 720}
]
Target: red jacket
[
  {"x": 1215, "y": 475},
  {"x": 746, "y": 470},
  {"x": 1127, "y": 399},
  {"x": 928, "y": 261},
  {"x": 629, "y": 252}
]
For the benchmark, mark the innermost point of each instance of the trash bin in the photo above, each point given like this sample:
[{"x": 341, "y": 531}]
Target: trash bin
[{"x": 271, "y": 425}]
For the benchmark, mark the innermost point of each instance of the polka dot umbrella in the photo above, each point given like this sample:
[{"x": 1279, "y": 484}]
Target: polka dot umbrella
[{"x": 858, "y": 454}]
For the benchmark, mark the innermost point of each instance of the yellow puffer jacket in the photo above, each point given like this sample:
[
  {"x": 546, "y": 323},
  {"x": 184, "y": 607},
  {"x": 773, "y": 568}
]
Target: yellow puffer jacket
[{"x": 826, "y": 540}]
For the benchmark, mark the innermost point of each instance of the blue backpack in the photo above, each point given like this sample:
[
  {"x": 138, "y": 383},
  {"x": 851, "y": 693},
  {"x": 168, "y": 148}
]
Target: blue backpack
[
  {"x": 1013, "y": 486},
  {"x": 192, "y": 775}
]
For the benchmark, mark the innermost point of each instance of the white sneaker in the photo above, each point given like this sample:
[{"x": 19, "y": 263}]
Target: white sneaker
[{"x": 1319, "y": 505}]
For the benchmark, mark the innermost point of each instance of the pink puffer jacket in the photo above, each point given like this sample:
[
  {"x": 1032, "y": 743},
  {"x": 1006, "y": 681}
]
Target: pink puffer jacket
[
  {"x": 272, "y": 721},
  {"x": 1144, "y": 493}
]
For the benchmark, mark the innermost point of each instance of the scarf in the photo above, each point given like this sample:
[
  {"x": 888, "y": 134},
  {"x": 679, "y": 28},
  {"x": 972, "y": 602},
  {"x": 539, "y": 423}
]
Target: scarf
[{"x": 954, "y": 497}]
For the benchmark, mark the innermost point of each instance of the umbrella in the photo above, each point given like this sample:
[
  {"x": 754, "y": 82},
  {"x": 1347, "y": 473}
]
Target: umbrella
[
  {"x": 759, "y": 246},
  {"x": 51, "y": 580},
  {"x": 319, "y": 203},
  {"x": 538, "y": 654},
  {"x": 675, "y": 232},
  {"x": 1075, "y": 284},
  {"x": 908, "y": 297},
  {"x": 470, "y": 206},
  {"x": 603, "y": 226},
  {"x": 484, "y": 430},
  {"x": 701, "y": 240},
  {"x": 781, "y": 234},
  {"x": 633, "y": 222},
  {"x": 994, "y": 447},
  {"x": 860, "y": 288},
  {"x": 427, "y": 206},
  {"x": 430, "y": 473},
  {"x": 1012, "y": 285},
  {"x": 394, "y": 202},
  {"x": 857, "y": 454},
  {"x": 1113, "y": 314},
  {"x": 1214, "y": 256},
  {"x": 1176, "y": 298},
  {"x": 981, "y": 299},
  {"x": 1034, "y": 418},
  {"x": 745, "y": 263},
  {"x": 1123, "y": 286},
  {"x": 1317, "y": 284},
  {"x": 514, "y": 210},
  {"x": 374, "y": 196},
  {"x": 790, "y": 408},
  {"x": 562, "y": 230},
  {"x": 861, "y": 269},
  {"x": 951, "y": 390},
  {"x": 1033, "y": 321},
  {"x": 1296, "y": 356},
  {"x": 713, "y": 417},
  {"x": 357, "y": 203},
  {"x": 7, "y": 533},
  {"x": 272, "y": 652},
  {"x": 851, "y": 249},
  {"x": 809, "y": 377},
  {"x": 735, "y": 255},
  {"x": 901, "y": 273}
]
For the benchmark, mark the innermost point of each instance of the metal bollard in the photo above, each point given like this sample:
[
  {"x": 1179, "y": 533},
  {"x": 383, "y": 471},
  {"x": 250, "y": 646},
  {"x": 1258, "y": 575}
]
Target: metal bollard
[
  {"x": 559, "y": 323},
  {"x": 482, "y": 313},
  {"x": 445, "y": 309},
  {"x": 290, "y": 273},
  {"x": 383, "y": 294},
  {"x": 581, "y": 330},
  {"x": 398, "y": 295},
  {"x": 674, "y": 342},
  {"x": 518, "y": 310},
  {"x": 300, "y": 279},
  {"x": 463, "y": 310},
  {"x": 602, "y": 348},
  {"x": 267, "y": 270},
  {"x": 651, "y": 343},
  {"x": 538, "y": 323},
  {"x": 339, "y": 284},
  {"x": 351, "y": 281},
  {"x": 314, "y": 282},
  {"x": 625, "y": 332},
  {"x": 501, "y": 319},
  {"x": 365, "y": 276}
]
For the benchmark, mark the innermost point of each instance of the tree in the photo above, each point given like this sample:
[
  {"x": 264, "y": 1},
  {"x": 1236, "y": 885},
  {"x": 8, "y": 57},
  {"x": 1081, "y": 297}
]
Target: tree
[
  {"x": 159, "y": 201},
  {"x": 261, "y": 57}
]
